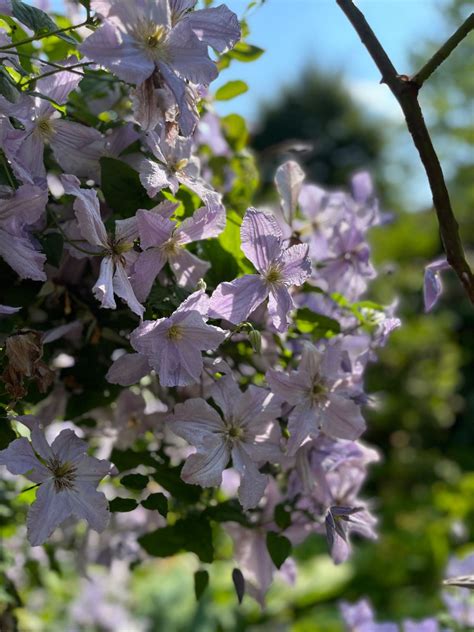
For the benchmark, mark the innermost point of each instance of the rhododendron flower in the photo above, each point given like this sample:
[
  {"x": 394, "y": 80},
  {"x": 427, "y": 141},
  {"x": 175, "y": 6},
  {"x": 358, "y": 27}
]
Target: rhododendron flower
[
  {"x": 67, "y": 479},
  {"x": 322, "y": 397},
  {"x": 23, "y": 208},
  {"x": 278, "y": 269},
  {"x": 70, "y": 142},
  {"x": 116, "y": 250},
  {"x": 246, "y": 432},
  {"x": 173, "y": 345},
  {"x": 163, "y": 241}
]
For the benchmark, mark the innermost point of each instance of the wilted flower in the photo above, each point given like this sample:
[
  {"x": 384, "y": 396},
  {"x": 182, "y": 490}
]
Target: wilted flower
[
  {"x": 278, "y": 269},
  {"x": 66, "y": 477},
  {"x": 116, "y": 250}
]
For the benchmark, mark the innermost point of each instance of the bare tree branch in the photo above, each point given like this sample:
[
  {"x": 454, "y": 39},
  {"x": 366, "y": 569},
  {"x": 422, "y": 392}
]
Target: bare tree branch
[
  {"x": 443, "y": 53},
  {"x": 406, "y": 92}
]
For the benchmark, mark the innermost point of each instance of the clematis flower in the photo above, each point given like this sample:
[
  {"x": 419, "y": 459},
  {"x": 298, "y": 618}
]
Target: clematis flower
[
  {"x": 163, "y": 241},
  {"x": 359, "y": 617},
  {"x": 19, "y": 211},
  {"x": 67, "y": 478},
  {"x": 115, "y": 250},
  {"x": 322, "y": 396},
  {"x": 289, "y": 178},
  {"x": 173, "y": 345},
  {"x": 278, "y": 268},
  {"x": 432, "y": 285},
  {"x": 75, "y": 146},
  {"x": 246, "y": 432},
  {"x": 5, "y": 7},
  {"x": 175, "y": 165},
  {"x": 7, "y": 310},
  {"x": 340, "y": 522},
  {"x": 144, "y": 38}
]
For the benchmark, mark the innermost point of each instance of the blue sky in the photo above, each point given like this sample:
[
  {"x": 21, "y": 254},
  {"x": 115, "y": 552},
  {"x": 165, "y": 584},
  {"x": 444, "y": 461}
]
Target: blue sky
[{"x": 295, "y": 33}]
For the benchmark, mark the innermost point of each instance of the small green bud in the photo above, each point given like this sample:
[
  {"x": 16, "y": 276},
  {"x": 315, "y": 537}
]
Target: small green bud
[{"x": 255, "y": 340}]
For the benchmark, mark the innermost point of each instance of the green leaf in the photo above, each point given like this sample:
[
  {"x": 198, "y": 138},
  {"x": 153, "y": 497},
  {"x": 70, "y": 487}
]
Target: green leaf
[
  {"x": 170, "y": 479},
  {"x": 52, "y": 246},
  {"x": 278, "y": 547},
  {"x": 128, "y": 459},
  {"x": 156, "y": 502},
  {"x": 135, "y": 481},
  {"x": 231, "y": 90},
  {"x": 8, "y": 87},
  {"x": 7, "y": 434},
  {"x": 122, "y": 188},
  {"x": 228, "y": 511},
  {"x": 187, "y": 534},
  {"x": 122, "y": 505},
  {"x": 201, "y": 582},
  {"x": 235, "y": 131},
  {"x": 38, "y": 21},
  {"x": 282, "y": 517},
  {"x": 245, "y": 52},
  {"x": 309, "y": 322}
]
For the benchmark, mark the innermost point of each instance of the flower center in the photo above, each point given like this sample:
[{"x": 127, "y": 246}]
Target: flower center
[
  {"x": 170, "y": 247},
  {"x": 64, "y": 474},
  {"x": 318, "y": 391},
  {"x": 180, "y": 165},
  {"x": 153, "y": 37},
  {"x": 235, "y": 432},
  {"x": 175, "y": 333},
  {"x": 44, "y": 127},
  {"x": 273, "y": 274}
]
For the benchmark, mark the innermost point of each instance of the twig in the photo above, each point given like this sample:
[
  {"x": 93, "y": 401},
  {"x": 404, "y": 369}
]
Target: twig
[
  {"x": 406, "y": 93},
  {"x": 56, "y": 71},
  {"x": 35, "y": 38},
  {"x": 443, "y": 53}
]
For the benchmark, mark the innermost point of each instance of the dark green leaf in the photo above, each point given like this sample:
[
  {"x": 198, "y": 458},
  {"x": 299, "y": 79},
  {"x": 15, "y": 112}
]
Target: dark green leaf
[
  {"x": 228, "y": 511},
  {"x": 8, "y": 87},
  {"x": 157, "y": 502},
  {"x": 170, "y": 479},
  {"x": 7, "y": 435},
  {"x": 231, "y": 90},
  {"x": 122, "y": 188},
  {"x": 135, "y": 481},
  {"x": 282, "y": 517},
  {"x": 122, "y": 504},
  {"x": 278, "y": 547},
  {"x": 128, "y": 459},
  {"x": 188, "y": 534},
  {"x": 239, "y": 583},
  {"x": 201, "y": 582},
  {"x": 52, "y": 245},
  {"x": 38, "y": 21}
]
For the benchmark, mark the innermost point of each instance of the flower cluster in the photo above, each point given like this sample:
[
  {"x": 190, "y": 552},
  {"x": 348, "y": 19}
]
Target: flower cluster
[{"x": 199, "y": 342}]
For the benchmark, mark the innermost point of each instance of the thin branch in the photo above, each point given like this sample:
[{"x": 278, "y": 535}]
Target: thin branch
[
  {"x": 36, "y": 38},
  {"x": 57, "y": 69},
  {"x": 406, "y": 93},
  {"x": 443, "y": 53}
]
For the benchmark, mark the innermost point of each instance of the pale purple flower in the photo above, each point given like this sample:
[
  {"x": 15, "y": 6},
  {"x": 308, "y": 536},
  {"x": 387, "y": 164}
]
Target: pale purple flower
[
  {"x": 116, "y": 250},
  {"x": 459, "y": 601},
  {"x": 340, "y": 522},
  {"x": 425, "y": 625},
  {"x": 5, "y": 7},
  {"x": 131, "y": 420},
  {"x": 359, "y": 617},
  {"x": 128, "y": 369},
  {"x": 175, "y": 164},
  {"x": 173, "y": 345},
  {"x": 432, "y": 286},
  {"x": 75, "y": 146},
  {"x": 67, "y": 478},
  {"x": 6, "y": 310},
  {"x": 144, "y": 38},
  {"x": 322, "y": 397},
  {"x": 278, "y": 268},
  {"x": 209, "y": 132},
  {"x": 22, "y": 209},
  {"x": 246, "y": 432},
  {"x": 163, "y": 241},
  {"x": 289, "y": 178}
]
